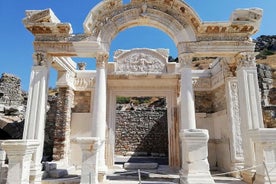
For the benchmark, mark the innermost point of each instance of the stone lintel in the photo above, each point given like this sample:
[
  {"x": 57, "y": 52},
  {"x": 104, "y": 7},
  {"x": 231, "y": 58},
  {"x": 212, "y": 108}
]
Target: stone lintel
[
  {"x": 216, "y": 48},
  {"x": 69, "y": 48}
]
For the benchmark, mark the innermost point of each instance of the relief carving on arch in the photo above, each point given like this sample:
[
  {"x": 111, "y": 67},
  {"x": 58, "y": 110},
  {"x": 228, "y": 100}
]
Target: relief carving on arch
[{"x": 144, "y": 60}]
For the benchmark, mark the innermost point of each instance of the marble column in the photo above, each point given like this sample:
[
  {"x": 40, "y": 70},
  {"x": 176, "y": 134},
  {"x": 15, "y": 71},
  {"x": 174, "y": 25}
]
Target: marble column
[
  {"x": 99, "y": 112},
  {"x": 36, "y": 110},
  {"x": 187, "y": 93},
  {"x": 19, "y": 153},
  {"x": 90, "y": 153},
  {"x": 250, "y": 106}
]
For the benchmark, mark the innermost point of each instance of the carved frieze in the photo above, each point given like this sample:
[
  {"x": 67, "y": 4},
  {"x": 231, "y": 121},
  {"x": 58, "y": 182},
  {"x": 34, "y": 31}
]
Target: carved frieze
[{"x": 141, "y": 60}]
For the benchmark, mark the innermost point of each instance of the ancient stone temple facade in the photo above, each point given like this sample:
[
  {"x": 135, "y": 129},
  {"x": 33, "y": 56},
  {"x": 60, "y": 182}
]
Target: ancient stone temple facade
[{"x": 215, "y": 112}]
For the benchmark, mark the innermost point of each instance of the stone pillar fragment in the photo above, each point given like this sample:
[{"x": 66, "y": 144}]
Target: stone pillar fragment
[
  {"x": 99, "y": 112},
  {"x": 36, "y": 110},
  {"x": 90, "y": 153},
  {"x": 264, "y": 140},
  {"x": 195, "y": 166},
  {"x": 250, "y": 107},
  {"x": 187, "y": 94},
  {"x": 19, "y": 153}
]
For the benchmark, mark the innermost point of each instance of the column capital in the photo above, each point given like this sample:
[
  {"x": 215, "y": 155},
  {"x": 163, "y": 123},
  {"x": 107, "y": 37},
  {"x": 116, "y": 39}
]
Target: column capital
[
  {"x": 40, "y": 58},
  {"x": 185, "y": 60},
  {"x": 102, "y": 59},
  {"x": 246, "y": 59}
]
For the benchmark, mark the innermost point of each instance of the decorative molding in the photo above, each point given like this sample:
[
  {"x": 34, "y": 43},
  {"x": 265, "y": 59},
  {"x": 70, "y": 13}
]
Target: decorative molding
[{"x": 84, "y": 80}]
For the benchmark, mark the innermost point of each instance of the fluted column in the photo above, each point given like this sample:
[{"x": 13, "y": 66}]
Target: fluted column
[
  {"x": 187, "y": 93},
  {"x": 99, "y": 111},
  {"x": 250, "y": 103},
  {"x": 36, "y": 110}
]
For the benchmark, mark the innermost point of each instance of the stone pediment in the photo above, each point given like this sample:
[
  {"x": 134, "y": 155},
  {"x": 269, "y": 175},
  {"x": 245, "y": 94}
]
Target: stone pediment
[{"x": 141, "y": 61}]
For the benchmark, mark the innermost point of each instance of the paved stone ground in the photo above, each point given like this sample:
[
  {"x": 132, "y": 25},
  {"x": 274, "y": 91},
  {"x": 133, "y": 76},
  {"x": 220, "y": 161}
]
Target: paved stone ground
[{"x": 155, "y": 177}]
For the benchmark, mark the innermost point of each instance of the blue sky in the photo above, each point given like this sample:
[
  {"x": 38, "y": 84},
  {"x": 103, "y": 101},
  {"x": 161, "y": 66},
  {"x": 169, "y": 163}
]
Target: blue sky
[{"x": 16, "y": 42}]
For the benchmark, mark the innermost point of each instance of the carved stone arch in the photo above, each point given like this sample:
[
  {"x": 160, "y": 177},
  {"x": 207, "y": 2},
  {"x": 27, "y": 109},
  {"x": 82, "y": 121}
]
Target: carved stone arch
[{"x": 174, "y": 17}]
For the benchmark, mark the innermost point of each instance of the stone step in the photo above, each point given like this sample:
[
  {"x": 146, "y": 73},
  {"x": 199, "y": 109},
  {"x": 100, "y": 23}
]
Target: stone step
[
  {"x": 135, "y": 166},
  {"x": 67, "y": 180},
  {"x": 49, "y": 166},
  {"x": 58, "y": 173}
]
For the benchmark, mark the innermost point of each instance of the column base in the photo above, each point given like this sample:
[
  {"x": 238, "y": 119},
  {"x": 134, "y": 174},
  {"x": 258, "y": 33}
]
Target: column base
[
  {"x": 248, "y": 176},
  {"x": 89, "y": 169},
  {"x": 36, "y": 174},
  {"x": 236, "y": 167},
  {"x": 195, "y": 178},
  {"x": 195, "y": 166},
  {"x": 102, "y": 176}
]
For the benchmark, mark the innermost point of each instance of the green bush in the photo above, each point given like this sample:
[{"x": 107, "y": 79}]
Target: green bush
[{"x": 122, "y": 100}]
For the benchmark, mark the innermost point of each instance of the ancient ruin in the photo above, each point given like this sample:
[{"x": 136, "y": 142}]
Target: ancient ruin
[{"x": 214, "y": 116}]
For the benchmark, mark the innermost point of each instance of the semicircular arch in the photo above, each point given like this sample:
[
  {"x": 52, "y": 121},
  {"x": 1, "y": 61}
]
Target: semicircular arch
[{"x": 109, "y": 18}]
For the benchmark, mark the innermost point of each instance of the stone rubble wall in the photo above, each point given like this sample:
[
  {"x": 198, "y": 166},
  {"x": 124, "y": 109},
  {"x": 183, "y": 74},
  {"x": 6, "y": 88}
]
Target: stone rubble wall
[
  {"x": 268, "y": 93},
  {"x": 10, "y": 90},
  {"x": 141, "y": 132},
  {"x": 50, "y": 128}
]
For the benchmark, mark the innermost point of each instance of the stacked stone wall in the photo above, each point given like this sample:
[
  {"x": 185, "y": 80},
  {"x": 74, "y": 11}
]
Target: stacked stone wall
[
  {"x": 62, "y": 127},
  {"x": 142, "y": 132},
  {"x": 82, "y": 102},
  {"x": 50, "y": 128}
]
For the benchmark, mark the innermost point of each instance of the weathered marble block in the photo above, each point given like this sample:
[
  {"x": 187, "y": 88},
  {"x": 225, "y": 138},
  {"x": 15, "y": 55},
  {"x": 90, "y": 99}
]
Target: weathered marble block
[
  {"x": 264, "y": 140},
  {"x": 19, "y": 153},
  {"x": 90, "y": 149},
  {"x": 195, "y": 166}
]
